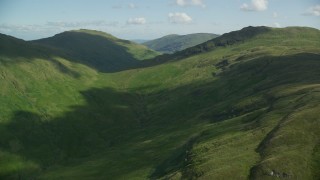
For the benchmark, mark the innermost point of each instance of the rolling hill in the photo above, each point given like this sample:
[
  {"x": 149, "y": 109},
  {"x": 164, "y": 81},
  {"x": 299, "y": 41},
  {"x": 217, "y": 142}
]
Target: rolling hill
[
  {"x": 99, "y": 50},
  {"x": 173, "y": 43},
  {"x": 242, "y": 106}
]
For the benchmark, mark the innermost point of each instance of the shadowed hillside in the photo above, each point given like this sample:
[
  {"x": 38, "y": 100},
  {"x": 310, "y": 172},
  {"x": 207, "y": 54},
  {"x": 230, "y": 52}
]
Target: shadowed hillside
[
  {"x": 173, "y": 43},
  {"x": 248, "y": 33},
  {"x": 247, "y": 109},
  {"x": 99, "y": 50},
  {"x": 261, "y": 37}
]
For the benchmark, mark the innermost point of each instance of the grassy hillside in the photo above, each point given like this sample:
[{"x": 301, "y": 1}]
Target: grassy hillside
[
  {"x": 99, "y": 50},
  {"x": 244, "y": 110},
  {"x": 262, "y": 35},
  {"x": 173, "y": 43}
]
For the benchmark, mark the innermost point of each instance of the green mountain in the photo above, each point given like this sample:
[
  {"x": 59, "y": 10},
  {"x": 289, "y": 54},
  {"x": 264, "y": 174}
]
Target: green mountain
[
  {"x": 244, "y": 109},
  {"x": 173, "y": 43},
  {"x": 99, "y": 50}
]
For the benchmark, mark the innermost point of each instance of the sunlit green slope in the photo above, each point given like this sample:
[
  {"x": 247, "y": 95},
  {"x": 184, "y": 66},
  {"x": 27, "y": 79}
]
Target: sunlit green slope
[{"x": 245, "y": 109}]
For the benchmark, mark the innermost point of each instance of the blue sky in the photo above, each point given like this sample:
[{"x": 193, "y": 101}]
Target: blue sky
[{"x": 149, "y": 19}]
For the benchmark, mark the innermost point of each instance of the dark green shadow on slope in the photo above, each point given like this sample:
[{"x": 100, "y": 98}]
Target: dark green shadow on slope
[
  {"x": 109, "y": 121},
  {"x": 14, "y": 50},
  {"x": 97, "y": 52},
  {"x": 93, "y": 51},
  {"x": 105, "y": 55}
]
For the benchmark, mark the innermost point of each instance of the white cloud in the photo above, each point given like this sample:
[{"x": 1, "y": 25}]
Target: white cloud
[
  {"x": 20, "y": 27},
  {"x": 277, "y": 25},
  {"x": 181, "y": 2},
  {"x": 245, "y": 7},
  {"x": 137, "y": 21},
  {"x": 256, "y": 5},
  {"x": 313, "y": 11},
  {"x": 80, "y": 24},
  {"x": 275, "y": 14},
  {"x": 190, "y": 3},
  {"x": 179, "y": 18},
  {"x": 57, "y": 25},
  {"x": 198, "y": 3},
  {"x": 260, "y": 5},
  {"x": 132, "y": 6}
]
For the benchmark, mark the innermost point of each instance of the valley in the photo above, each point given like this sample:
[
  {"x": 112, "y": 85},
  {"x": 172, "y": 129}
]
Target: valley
[{"x": 87, "y": 105}]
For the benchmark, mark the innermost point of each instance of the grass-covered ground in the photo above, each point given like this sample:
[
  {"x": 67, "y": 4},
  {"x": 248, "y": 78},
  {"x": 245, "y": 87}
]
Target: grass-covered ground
[
  {"x": 173, "y": 42},
  {"x": 245, "y": 109}
]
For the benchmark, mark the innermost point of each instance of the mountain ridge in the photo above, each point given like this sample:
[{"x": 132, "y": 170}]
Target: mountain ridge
[
  {"x": 99, "y": 50},
  {"x": 172, "y": 43},
  {"x": 239, "y": 36},
  {"x": 234, "y": 38},
  {"x": 245, "y": 108}
]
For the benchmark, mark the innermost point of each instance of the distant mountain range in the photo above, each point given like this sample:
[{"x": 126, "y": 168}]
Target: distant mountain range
[{"x": 173, "y": 43}]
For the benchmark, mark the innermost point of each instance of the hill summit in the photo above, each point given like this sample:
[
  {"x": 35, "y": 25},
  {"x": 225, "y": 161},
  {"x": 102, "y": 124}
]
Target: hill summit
[{"x": 98, "y": 50}]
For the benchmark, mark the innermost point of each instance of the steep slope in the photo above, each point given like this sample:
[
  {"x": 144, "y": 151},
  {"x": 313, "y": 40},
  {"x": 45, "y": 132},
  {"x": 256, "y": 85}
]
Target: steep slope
[
  {"x": 173, "y": 43},
  {"x": 38, "y": 88},
  {"x": 259, "y": 34},
  {"x": 244, "y": 110},
  {"x": 99, "y": 50},
  {"x": 252, "y": 36},
  {"x": 11, "y": 46}
]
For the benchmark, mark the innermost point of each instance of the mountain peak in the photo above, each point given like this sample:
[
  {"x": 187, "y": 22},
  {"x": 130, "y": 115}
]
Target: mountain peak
[
  {"x": 98, "y": 50},
  {"x": 86, "y": 32},
  {"x": 245, "y": 33},
  {"x": 94, "y": 32}
]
